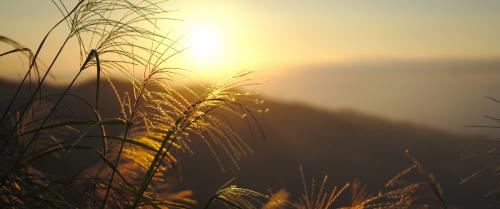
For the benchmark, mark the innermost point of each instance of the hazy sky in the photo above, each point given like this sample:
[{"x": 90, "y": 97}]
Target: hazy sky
[{"x": 265, "y": 34}]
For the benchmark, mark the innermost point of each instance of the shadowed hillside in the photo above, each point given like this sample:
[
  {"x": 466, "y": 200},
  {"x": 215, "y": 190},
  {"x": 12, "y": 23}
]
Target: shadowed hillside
[{"x": 345, "y": 144}]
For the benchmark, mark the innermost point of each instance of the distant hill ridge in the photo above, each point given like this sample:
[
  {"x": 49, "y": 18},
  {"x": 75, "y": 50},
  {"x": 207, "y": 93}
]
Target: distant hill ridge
[{"x": 449, "y": 94}]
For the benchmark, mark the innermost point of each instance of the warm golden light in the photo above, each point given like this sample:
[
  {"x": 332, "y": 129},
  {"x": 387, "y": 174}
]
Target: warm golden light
[{"x": 205, "y": 44}]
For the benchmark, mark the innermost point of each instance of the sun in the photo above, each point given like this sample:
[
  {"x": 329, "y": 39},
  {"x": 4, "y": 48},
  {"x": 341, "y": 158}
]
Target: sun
[{"x": 205, "y": 44}]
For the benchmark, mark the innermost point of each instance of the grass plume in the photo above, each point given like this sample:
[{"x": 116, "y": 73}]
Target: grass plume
[{"x": 157, "y": 120}]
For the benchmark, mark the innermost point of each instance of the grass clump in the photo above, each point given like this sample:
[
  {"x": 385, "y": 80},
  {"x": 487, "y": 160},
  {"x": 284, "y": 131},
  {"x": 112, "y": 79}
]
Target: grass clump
[
  {"x": 128, "y": 169},
  {"x": 413, "y": 187}
]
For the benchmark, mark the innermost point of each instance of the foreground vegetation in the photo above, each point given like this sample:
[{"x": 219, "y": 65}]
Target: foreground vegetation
[{"x": 129, "y": 155}]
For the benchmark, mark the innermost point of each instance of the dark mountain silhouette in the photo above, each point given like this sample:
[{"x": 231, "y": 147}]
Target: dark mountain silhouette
[{"x": 344, "y": 144}]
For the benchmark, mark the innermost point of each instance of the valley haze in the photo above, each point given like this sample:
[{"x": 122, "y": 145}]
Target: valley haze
[{"x": 448, "y": 94}]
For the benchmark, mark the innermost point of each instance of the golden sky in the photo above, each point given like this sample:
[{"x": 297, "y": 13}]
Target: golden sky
[{"x": 277, "y": 34}]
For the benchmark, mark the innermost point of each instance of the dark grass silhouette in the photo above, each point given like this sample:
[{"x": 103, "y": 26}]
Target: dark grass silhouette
[{"x": 120, "y": 144}]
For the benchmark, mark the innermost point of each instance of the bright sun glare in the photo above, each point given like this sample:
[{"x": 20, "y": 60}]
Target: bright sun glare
[{"x": 205, "y": 44}]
